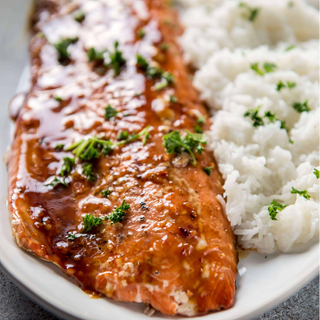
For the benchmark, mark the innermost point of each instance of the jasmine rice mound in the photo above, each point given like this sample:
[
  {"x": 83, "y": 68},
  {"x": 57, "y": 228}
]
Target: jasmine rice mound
[{"x": 258, "y": 69}]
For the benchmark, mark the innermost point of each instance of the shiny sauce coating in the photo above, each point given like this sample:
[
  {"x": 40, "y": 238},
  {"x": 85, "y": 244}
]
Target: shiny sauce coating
[{"x": 174, "y": 248}]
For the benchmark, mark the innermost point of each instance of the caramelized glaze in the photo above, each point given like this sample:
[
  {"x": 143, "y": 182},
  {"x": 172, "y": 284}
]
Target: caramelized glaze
[{"x": 175, "y": 248}]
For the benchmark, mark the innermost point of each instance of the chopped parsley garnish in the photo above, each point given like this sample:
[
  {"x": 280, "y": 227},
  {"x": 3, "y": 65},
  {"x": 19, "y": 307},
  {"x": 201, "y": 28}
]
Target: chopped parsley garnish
[
  {"x": 164, "y": 46},
  {"x": 79, "y": 16},
  {"x": 160, "y": 85},
  {"x": 143, "y": 133},
  {"x": 253, "y": 115},
  {"x": 117, "y": 60},
  {"x": 272, "y": 117},
  {"x": 154, "y": 72},
  {"x": 301, "y": 107},
  {"x": 91, "y": 148},
  {"x": 55, "y": 182},
  {"x": 201, "y": 119},
  {"x": 207, "y": 170},
  {"x": 268, "y": 67},
  {"x": 110, "y": 112},
  {"x": 90, "y": 222},
  {"x": 173, "y": 99},
  {"x": 142, "y": 62},
  {"x": 302, "y": 193},
  {"x": 106, "y": 193},
  {"x": 59, "y": 99},
  {"x": 88, "y": 172},
  {"x": 252, "y": 12},
  {"x": 141, "y": 33},
  {"x": 59, "y": 146},
  {"x": 198, "y": 129},
  {"x": 122, "y": 135},
  {"x": 62, "y": 48},
  {"x": 118, "y": 214},
  {"x": 274, "y": 208},
  {"x": 67, "y": 166},
  {"x": 316, "y": 172},
  {"x": 290, "y": 141},
  {"x": 288, "y": 84},
  {"x": 192, "y": 142},
  {"x": 94, "y": 55},
  {"x": 290, "y": 47},
  {"x": 71, "y": 236}
]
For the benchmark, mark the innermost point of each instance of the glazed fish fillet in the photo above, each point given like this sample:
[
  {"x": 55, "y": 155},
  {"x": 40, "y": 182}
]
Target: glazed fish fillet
[{"x": 109, "y": 177}]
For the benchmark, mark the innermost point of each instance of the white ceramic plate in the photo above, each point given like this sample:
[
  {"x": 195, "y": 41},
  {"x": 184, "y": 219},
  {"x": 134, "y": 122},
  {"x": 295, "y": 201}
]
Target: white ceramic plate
[{"x": 267, "y": 282}]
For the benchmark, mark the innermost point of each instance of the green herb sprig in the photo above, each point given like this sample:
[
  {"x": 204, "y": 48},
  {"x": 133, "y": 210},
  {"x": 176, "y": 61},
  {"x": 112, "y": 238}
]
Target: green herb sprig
[
  {"x": 62, "y": 49},
  {"x": 268, "y": 67},
  {"x": 301, "y": 106},
  {"x": 274, "y": 208},
  {"x": 302, "y": 193},
  {"x": 252, "y": 12},
  {"x": 90, "y": 222},
  {"x": 118, "y": 214},
  {"x": 192, "y": 142},
  {"x": 56, "y": 182},
  {"x": 316, "y": 172}
]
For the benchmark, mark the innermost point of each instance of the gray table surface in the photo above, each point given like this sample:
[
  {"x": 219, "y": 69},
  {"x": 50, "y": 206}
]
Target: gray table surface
[{"x": 14, "y": 304}]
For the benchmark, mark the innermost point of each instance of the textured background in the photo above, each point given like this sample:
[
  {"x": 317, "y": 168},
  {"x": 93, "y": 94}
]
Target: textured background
[{"x": 14, "y": 305}]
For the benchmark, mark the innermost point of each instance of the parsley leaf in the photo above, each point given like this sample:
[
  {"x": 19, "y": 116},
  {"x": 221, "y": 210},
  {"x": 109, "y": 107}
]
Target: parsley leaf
[
  {"x": 268, "y": 67},
  {"x": 164, "y": 46},
  {"x": 110, "y": 112},
  {"x": 142, "y": 63},
  {"x": 59, "y": 99},
  {"x": 302, "y": 193},
  {"x": 201, "y": 119},
  {"x": 288, "y": 84},
  {"x": 198, "y": 129},
  {"x": 62, "y": 49},
  {"x": 301, "y": 107},
  {"x": 68, "y": 163},
  {"x": 88, "y": 172},
  {"x": 143, "y": 133},
  {"x": 272, "y": 117},
  {"x": 253, "y": 115},
  {"x": 274, "y": 207},
  {"x": 252, "y": 12},
  {"x": 280, "y": 85},
  {"x": 141, "y": 33},
  {"x": 59, "y": 146},
  {"x": 90, "y": 222},
  {"x": 94, "y": 55},
  {"x": 207, "y": 170},
  {"x": 122, "y": 135},
  {"x": 316, "y": 172},
  {"x": 118, "y": 214},
  {"x": 91, "y": 148},
  {"x": 106, "y": 193},
  {"x": 55, "y": 182},
  {"x": 290, "y": 48},
  {"x": 192, "y": 142},
  {"x": 79, "y": 16},
  {"x": 173, "y": 99},
  {"x": 117, "y": 60}
]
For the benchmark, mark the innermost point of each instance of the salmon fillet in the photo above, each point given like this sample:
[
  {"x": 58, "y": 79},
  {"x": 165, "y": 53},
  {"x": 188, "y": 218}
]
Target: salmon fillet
[{"x": 104, "y": 179}]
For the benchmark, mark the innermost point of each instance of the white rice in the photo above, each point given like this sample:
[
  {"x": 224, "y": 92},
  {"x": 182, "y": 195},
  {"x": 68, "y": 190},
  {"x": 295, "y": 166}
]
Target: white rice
[{"x": 259, "y": 164}]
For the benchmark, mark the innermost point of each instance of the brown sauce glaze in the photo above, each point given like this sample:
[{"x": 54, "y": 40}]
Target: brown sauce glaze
[{"x": 175, "y": 248}]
